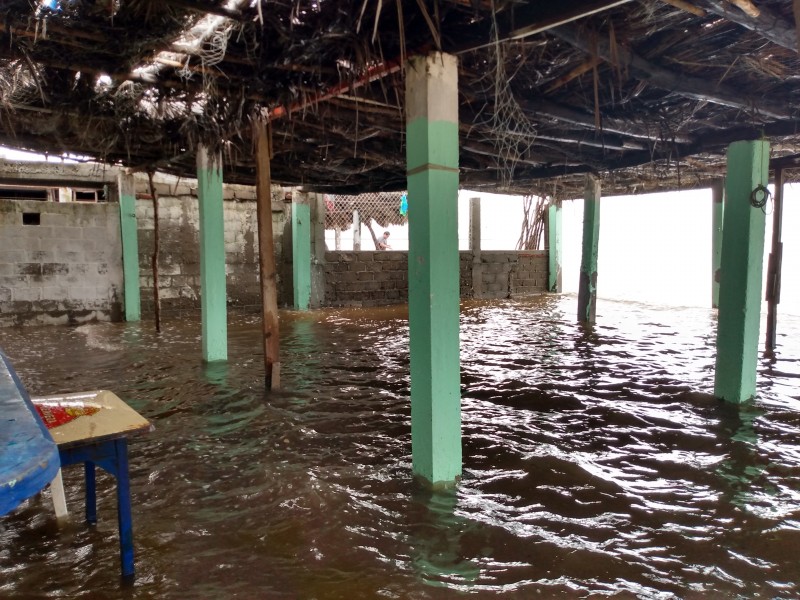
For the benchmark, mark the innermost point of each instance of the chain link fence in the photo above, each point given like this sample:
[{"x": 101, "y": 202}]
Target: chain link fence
[{"x": 381, "y": 208}]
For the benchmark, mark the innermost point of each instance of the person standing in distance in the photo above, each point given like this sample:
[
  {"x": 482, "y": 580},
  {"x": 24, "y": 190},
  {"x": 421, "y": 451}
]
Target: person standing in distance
[{"x": 383, "y": 243}]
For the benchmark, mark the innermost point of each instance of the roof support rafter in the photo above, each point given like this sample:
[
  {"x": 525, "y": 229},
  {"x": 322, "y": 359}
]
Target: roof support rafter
[
  {"x": 666, "y": 79},
  {"x": 768, "y": 24}
]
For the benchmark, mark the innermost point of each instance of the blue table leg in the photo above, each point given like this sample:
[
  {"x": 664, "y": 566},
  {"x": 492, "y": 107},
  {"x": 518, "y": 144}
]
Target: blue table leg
[
  {"x": 91, "y": 492},
  {"x": 111, "y": 456},
  {"x": 124, "y": 508}
]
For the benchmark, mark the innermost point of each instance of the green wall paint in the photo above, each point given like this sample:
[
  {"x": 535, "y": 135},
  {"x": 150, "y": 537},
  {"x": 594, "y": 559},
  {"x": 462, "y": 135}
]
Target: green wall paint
[
  {"x": 717, "y": 207},
  {"x": 554, "y": 247},
  {"x": 587, "y": 289},
  {"x": 130, "y": 248},
  {"x": 433, "y": 267},
  {"x": 301, "y": 254},
  {"x": 424, "y": 144},
  {"x": 740, "y": 285},
  {"x": 212, "y": 260}
]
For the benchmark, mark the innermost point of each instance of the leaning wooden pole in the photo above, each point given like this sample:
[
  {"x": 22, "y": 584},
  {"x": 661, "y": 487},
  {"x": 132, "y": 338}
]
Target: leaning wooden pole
[
  {"x": 266, "y": 251},
  {"x": 154, "y": 260},
  {"x": 774, "y": 265}
]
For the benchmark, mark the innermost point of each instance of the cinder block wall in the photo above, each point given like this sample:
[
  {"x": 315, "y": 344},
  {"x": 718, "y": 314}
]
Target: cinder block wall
[
  {"x": 179, "y": 249},
  {"x": 509, "y": 274},
  {"x": 376, "y": 278},
  {"x": 65, "y": 270}
]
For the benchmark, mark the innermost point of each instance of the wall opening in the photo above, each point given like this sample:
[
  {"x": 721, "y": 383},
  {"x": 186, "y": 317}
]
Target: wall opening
[{"x": 31, "y": 218}]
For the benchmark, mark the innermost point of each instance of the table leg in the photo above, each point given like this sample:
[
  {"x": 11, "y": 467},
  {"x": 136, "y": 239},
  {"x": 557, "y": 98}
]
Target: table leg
[
  {"x": 59, "y": 498},
  {"x": 91, "y": 492},
  {"x": 124, "y": 508}
]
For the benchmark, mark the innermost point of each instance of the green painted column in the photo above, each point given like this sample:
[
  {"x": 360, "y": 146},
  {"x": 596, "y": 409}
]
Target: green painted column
[
  {"x": 130, "y": 247},
  {"x": 554, "y": 246},
  {"x": 213, "y": 303},
  {"x": 717, "y": 197},
  {"x": 587, "y": 289},
  {"x": 740, "y": 287},
  {"x": 301, "y": 250},
  {"x": 433, "y": 266}
]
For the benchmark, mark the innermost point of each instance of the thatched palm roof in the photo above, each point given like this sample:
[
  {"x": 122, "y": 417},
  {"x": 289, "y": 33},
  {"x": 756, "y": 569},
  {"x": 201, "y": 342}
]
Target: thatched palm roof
[{"x": 647, "y": 93}]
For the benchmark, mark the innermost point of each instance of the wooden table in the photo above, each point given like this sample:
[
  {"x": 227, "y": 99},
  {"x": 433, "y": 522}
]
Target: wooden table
[
  {"x": 93, "y": 428},
  {"x": 28, "y": 456}
]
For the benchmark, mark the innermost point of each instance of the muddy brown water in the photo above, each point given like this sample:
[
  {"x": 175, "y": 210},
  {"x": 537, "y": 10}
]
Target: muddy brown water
[{"x": 596, "y": 463}]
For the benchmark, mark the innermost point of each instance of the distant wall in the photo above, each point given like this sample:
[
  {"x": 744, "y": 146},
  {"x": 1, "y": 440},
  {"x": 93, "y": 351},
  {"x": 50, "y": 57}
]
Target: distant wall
[
  {"x": 179, "y": 250},
  {"x": 376, "y": 278},
  {"x": 67, "y": 269}
]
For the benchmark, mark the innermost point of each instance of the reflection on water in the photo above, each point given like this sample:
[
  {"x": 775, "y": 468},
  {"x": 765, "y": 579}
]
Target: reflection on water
[{"x": 596, "y": 461}]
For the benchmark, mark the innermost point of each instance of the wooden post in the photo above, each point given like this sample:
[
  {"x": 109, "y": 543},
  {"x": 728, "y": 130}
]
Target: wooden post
[
  {"x": 266, "y": 253},
  {"x": 475, "y": 246},
  {"x": 717, "y": 208},
  {"x": 318, "y": 248},
  {"x": 775, "y": 264},
  {"x": 154, "y": 259}
]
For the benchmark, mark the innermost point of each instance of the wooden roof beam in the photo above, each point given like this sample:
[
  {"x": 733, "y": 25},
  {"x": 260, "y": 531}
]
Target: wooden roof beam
[
  {"x": 682, "y": 84},
  {"x": 768, "y": 24},
  {"x": 573, "y": 116},
  {"x": 544, "y": 19}
]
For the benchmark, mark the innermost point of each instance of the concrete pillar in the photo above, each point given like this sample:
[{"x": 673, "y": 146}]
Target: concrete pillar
[
  {"x": 318, "y": 247},
  {"x": 130, "y": 247},
  {"x": 475, "y": 224},
  {"x": 301, "y": 250},
  {"x": 433, "y": 266},
  {"x": 717, "y": 197},
  {"x": 213, "y": 304},
  {"x": 356, "y": 231},
  {"x": 587, "y": 289},
  {"x": 742, "y": 256},
  {"x": 475, "y": 246},
  {"x": 554, "y": 246}
]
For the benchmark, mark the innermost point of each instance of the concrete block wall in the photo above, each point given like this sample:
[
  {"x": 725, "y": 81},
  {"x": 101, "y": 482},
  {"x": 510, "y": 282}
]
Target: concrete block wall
[
  {"x": 375, "y": 278},
  {"x": 366, "y": 278},
  {"x": 65, "y": 270},
  {"x": 179, "y": 246}
]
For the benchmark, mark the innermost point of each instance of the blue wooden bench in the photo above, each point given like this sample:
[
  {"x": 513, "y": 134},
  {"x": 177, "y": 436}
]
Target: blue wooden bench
[{"x": 28, "y": 456}]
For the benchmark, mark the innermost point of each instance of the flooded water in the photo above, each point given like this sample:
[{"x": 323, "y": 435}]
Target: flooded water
[{"x": 596, "y": 463}]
